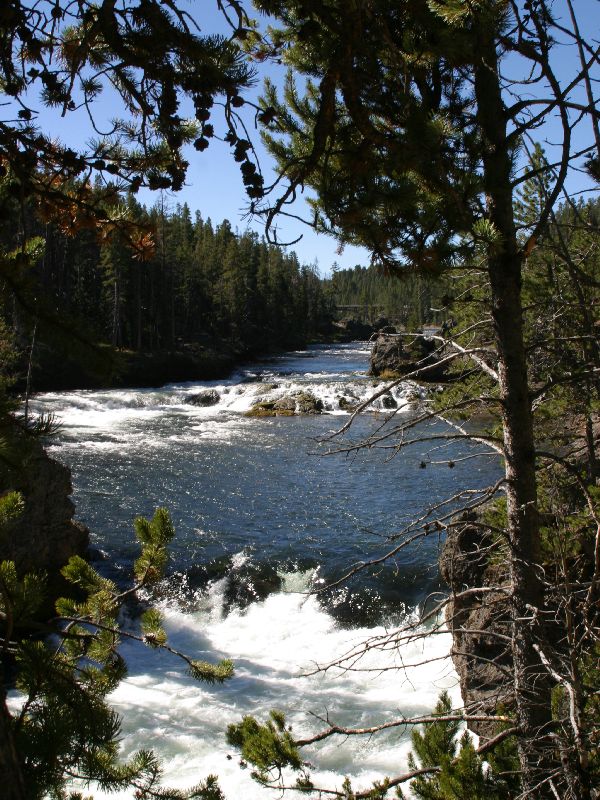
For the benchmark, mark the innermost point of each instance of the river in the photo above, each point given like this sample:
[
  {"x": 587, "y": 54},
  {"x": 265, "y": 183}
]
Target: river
[{"x": 262, "y": 517}]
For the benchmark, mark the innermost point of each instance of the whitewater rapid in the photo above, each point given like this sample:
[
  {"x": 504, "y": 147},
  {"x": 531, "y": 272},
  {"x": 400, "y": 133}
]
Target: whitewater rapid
[{"x": 273, "y": 643}]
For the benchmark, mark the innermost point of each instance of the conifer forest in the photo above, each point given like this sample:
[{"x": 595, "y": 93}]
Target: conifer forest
[{"x": 275, "y": 523}]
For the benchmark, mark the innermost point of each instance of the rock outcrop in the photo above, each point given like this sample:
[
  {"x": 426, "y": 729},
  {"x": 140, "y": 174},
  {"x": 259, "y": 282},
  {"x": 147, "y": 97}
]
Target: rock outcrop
[
  {"x": 351, "y": 330},
  {"x": 45, "y": 536},
  {"x": 477, "y": 620},
  {"x": 210, "y": 397},
  {"x": 392, "y": 357}
]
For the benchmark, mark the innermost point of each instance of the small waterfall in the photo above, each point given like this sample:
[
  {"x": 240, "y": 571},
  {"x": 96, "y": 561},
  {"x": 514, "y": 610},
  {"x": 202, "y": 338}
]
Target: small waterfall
[
  {"x": 101, "y": 410},
  {"x": 332, "y": 396}
]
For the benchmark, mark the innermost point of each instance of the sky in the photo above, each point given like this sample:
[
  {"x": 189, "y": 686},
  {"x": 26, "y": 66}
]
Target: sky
[{"x": 214, "y": 186}]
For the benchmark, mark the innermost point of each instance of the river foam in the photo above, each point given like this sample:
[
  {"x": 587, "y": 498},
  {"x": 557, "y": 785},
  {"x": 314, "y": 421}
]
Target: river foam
[{"x": 273, "y": 644}]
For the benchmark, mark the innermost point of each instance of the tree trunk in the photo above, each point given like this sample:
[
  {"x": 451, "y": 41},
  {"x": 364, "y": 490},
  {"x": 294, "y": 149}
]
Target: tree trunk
[
  {"x": 138, "y": 339},
  {"x": 531, "y": 689},
  {"x": 11, "y": 775}
]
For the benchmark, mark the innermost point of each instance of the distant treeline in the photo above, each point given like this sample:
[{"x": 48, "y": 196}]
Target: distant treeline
[
  {"x": 200, "y": 283},
  {"x": 197, "y": 283},
  {"x": 409, "y": 299}
]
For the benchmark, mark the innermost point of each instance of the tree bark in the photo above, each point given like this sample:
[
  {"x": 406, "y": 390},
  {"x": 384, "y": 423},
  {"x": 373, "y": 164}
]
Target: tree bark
[
  {"x": 11, "y": 775},
  {"x": 531, "y": 689}
]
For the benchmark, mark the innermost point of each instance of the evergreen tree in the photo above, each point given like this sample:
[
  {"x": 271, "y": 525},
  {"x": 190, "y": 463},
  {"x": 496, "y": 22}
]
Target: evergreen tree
[
  {"x": 458, "y": 772},
  {"x": 408, "y": 131}
]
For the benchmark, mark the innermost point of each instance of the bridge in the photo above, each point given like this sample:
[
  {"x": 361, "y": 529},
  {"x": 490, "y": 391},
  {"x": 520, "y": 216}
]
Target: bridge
[{"x": 360, "y": 307}]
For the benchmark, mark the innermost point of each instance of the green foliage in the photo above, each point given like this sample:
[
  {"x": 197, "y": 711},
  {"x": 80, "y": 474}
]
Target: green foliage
[
  {"x": 79, "y": 572},
  {"x": 79, "y": 258},
  {"x": 376, "y": 130},
  {"x": 590, "y": 675},
  {"x": 486, "y": 235},
  {"x": 269, "y": 748},
  {"x": 457, "y": 771},
  {"x": 151, "y": 57},
  {"x": 151, "y": 625},
  {"x": 199, "y": 284},
  {"x": 20, "y": 598},
  {"x": 8, "y": 361},
  {"x": 11, "y": 507},
  {"x": 211, "y": 673},
  {"x": 153, "y": 535},
  {"x": 437, "y": 743},
  {"x": 409, "y": 299}
]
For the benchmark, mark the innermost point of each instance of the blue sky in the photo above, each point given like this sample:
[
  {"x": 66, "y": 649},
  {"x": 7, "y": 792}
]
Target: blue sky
[{"x": 214, "y": 186}]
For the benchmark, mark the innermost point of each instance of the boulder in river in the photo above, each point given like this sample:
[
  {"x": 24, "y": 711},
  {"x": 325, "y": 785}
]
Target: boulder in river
[
  {"x": 208, "y": 398},
  {"x": 347, "y": 404},
  {"x": 285, "y": 403},
  {"x": 287, "y": 406},
  {"x": 388, "y": 401},
  {"x": 307, "y": 403},
  {"x": 350, "y": 330},
  {"x": 266, "y": 408},
  {"x": 266, "y": 388}
]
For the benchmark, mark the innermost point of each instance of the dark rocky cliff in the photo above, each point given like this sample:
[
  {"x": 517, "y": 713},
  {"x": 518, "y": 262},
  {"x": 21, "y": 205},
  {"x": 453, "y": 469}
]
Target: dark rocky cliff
[
  {"x": 45, "y": 536},
  {"x": 479, "y": 621},
  {"x": 391, "y": 357}
]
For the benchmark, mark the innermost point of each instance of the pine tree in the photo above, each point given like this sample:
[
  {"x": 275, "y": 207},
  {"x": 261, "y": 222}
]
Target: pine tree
[
  {"x": 458, "y": 772},
  {"x": 408, "y": 131}
]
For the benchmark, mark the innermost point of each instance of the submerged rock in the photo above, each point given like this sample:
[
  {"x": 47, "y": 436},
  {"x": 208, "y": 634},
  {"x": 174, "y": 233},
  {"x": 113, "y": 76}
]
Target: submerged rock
[{"x": 208, "y": 398}]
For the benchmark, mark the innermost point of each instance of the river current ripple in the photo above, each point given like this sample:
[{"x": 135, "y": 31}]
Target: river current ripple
[{"x": 261, "y": 518}]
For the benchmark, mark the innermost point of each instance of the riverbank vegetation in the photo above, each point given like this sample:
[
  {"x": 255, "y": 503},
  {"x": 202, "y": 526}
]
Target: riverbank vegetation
[
  {"x": 204, "y": 292},
  {"x": 201, "y": 285},
  {"x": 370, "y": 293}
]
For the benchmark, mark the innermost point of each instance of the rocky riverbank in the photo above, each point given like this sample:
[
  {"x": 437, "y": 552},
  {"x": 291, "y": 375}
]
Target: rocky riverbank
[
  {"x": 45, "y": 535},
  {"x": 103, "y": 367},
  {"x": 479, "y": 620}
]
